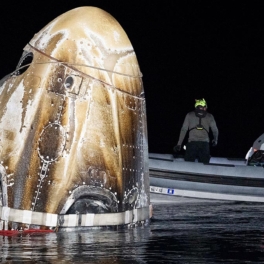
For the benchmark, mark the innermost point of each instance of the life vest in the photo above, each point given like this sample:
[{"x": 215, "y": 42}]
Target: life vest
[{"x": 199, "y": 126}]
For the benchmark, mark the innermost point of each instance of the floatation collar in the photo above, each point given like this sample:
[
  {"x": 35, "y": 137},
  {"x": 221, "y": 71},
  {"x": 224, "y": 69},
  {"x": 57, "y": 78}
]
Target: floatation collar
[{"x": 24, "y": 232}]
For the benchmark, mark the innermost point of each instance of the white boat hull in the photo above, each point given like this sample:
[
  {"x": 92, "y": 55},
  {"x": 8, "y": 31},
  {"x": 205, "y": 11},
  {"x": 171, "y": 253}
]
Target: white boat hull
[{"x": 221, "y": 179}]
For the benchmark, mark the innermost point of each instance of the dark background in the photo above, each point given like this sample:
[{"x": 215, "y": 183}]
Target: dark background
[{"x": 186, "y": 50}]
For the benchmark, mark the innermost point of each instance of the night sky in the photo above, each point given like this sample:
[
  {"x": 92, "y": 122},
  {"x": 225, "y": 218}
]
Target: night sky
[{"x": 186, "y": 50}]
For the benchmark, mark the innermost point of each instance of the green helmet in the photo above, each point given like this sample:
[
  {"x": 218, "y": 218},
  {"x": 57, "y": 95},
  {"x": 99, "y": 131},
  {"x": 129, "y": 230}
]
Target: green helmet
[{"x": 200, "y": 102}]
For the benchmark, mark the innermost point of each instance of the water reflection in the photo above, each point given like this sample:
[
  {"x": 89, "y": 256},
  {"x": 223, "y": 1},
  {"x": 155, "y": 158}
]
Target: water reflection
[
  {"x": 94, "y": 246},
  {"x": 190, "y": 232}
]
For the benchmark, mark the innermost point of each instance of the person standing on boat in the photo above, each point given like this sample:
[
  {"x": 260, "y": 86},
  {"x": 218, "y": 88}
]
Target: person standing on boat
[{"x": 198, "y": 123}]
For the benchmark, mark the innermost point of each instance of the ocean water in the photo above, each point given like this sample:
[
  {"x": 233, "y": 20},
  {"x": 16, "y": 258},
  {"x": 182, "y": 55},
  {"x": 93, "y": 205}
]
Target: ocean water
[{"x": 188, "y": 231}]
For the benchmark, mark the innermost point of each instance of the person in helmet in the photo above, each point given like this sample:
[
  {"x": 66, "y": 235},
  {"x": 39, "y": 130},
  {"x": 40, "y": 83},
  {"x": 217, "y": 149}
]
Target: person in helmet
[{"x": 198, "y": 123}]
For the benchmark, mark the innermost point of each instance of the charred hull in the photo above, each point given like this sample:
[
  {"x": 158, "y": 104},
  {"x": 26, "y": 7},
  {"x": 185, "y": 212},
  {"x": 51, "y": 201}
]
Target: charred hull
[{"x": 73, "y": 130}]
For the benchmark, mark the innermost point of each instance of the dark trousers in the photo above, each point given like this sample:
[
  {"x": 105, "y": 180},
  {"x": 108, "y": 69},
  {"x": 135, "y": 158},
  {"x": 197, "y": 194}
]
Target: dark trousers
[{"x": 197, "y": 150}]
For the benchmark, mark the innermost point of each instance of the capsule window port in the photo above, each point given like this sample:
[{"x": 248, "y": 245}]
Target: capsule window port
[{"x": 68, "y": 82}]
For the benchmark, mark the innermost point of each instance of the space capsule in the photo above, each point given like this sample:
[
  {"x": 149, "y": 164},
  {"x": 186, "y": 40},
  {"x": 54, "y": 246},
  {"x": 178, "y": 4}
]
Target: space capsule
[{"x": 73, "y": 130}]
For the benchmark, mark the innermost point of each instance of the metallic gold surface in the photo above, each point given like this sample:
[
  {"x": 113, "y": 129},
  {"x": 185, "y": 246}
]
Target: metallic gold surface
[{"x": 73, "y": 131}]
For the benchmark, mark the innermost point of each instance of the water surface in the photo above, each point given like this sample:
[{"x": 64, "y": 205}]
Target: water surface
[{"x": 190, "y": 231}]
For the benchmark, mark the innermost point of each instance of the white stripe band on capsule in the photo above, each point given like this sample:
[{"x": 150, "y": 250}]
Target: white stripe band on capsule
[{"x": 74, "y": 220}]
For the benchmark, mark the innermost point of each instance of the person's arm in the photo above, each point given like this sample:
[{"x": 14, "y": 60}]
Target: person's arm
[
  {"x": 184, "y": 130},
  {"x": 214, "y": 129}
]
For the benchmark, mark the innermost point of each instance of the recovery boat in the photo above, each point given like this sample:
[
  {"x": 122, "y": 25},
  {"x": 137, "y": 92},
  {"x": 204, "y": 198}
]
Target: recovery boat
[{"x": 220, "y": 179}]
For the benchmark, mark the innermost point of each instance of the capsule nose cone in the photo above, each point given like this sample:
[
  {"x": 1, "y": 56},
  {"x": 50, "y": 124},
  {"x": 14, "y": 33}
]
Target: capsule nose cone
[{"x": 92, "y": 41}]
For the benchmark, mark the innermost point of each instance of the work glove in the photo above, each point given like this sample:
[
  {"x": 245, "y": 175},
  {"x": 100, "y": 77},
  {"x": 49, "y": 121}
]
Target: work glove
[
  {"x": 214, "y": 142},
  {"x": 177, "y": 148}
]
